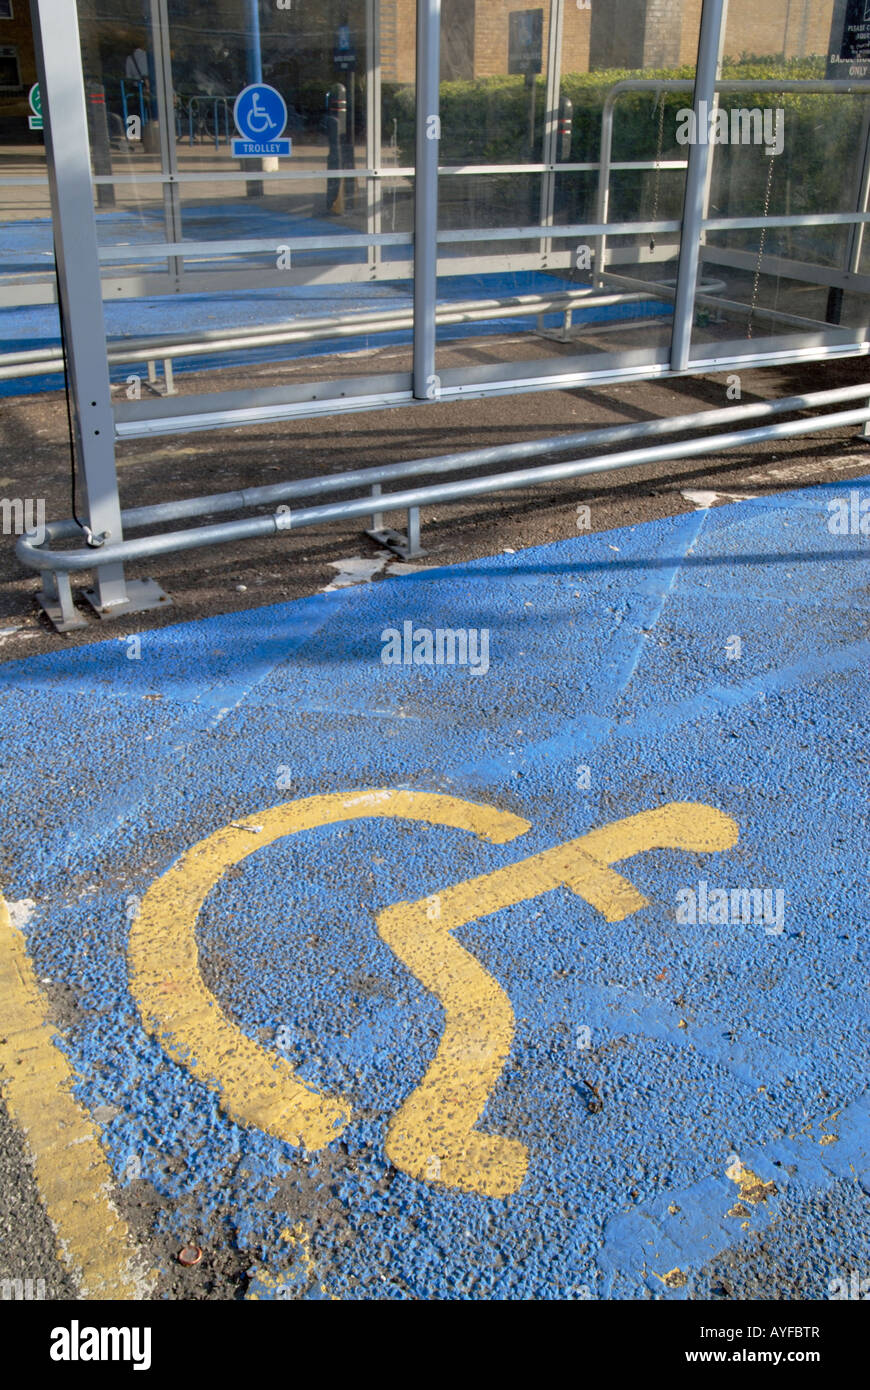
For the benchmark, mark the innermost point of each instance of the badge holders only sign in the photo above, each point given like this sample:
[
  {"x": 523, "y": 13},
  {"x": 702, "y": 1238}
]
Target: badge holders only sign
[{"x": 260, "y": 115}]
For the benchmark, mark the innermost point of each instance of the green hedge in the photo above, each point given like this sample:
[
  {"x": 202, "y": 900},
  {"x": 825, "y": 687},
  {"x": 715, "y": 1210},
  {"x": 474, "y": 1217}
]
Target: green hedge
[{"x": 486, "y": 121}]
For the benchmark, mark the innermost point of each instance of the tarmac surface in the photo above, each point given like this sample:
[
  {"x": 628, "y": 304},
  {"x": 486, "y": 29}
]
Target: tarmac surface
[{"x": 536, "y": 975}]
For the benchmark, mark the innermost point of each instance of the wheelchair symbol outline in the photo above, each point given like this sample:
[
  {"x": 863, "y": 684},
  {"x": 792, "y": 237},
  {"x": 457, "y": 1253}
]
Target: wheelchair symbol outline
[
  {"x": 433, "y": 1135},
  {"x": 267, "y": 122}
]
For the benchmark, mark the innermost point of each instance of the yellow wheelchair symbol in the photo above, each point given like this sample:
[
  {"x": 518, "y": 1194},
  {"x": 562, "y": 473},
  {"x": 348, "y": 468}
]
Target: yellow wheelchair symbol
[{"x": 433, "y": 1135}]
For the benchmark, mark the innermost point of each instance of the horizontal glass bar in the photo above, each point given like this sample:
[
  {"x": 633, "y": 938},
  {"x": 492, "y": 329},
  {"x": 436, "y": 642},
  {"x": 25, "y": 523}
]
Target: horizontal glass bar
[
  {"x": 553, "y": 232},
  {"x": 161, "y": 250},
  {"x": 158, "y": 251},
  {"x": 473, "y": 170},
  {"x": 240, "y": 176},
  {"x": 303, "y": 175},
  {"x": 804, "y": 219}
]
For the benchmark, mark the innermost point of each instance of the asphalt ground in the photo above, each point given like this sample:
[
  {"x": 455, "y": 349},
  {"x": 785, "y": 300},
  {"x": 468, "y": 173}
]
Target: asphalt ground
[
  {"x": 324, "y": 961},
  {"x": 300, "y": 563}
]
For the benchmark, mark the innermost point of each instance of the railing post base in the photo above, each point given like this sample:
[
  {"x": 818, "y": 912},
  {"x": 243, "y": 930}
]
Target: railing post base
[
  {"x": 142, "y": 594},
  {"x": 406, "y": 546},
  {"x": 56, "y": 601},
  {"x": 377, "y": 517}
]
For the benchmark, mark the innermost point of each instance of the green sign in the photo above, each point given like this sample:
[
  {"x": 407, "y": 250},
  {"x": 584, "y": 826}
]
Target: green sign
[{"x": 35, "y": 121}]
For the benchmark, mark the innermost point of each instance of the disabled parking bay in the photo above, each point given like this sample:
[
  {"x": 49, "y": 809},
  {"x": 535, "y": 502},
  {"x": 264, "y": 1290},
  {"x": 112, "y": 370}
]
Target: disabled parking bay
[{"x": 533, "y": 974}]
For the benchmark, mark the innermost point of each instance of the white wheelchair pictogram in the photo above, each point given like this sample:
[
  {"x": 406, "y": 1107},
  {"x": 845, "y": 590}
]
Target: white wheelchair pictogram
[{"x": 259, "y": 120}]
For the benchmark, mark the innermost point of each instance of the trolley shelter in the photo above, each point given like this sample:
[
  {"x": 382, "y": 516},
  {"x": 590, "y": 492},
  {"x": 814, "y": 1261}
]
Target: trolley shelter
[{"x": 219, "y": 213}]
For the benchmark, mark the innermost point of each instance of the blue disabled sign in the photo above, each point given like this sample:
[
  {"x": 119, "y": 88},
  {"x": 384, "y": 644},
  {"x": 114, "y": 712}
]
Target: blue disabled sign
[{"x": 260, "y": 116}]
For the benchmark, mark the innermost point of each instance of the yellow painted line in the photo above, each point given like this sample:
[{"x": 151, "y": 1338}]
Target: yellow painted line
[
  {"x": 70, "y": 1168},
  {"x": 432, "y": 1135},
  {"x": 255, "y": 1086}
]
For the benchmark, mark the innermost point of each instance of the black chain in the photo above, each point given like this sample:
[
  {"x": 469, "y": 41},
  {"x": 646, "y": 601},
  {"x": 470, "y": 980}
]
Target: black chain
[
  {"x": 761, "y": 242},
  {"x": 658, "y": 172}
]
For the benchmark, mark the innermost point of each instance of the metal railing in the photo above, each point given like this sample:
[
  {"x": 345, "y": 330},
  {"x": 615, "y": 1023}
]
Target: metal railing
[
  {"x": 39, "y": 555},
  {"x": 219, "y": 108},
  {"x": 19, "y": 364}
]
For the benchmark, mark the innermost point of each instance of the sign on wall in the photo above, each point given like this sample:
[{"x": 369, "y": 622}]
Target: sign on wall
[
  {"x": 35, "y": 121},
  {"x": 525, "y": 42},
  {"x": 849, "y": 49},
  {"x": 344, "y": 53}
]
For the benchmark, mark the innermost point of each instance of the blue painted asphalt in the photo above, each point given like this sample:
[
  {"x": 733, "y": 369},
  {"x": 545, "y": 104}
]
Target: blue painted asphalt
[
  {"x": 612, "y": 652},
  {"x": 28, "y": 247}
]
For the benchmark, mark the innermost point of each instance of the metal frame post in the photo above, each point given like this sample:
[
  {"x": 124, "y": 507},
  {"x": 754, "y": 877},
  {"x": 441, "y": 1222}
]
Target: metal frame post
[
  {"x": 697, "y": 175},
  {"x": 856, "y": 234},
  {"x": 165, "y": 95},
  {"x": 855, "y": 241},
  {"x": 714, "y": 108},
  {"x": 61, "y": 83},
  {"x": 254, "y": 56},
  {"x": 549, "y": 151},
  {"x": 377, "y": 517},
  {"x": 374, "y": 201},
  {"x": 414, "y": 548},
  {"x": 425, "y": 381}
]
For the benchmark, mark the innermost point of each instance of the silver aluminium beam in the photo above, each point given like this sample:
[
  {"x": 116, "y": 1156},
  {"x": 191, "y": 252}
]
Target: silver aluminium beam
[
  {"x": 697, "y": 183},
  {"x": 61, "y": 82},
  {"x": 426, "y": 197}
]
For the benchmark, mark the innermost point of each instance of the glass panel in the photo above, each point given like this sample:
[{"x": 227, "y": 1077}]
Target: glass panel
[
  {"x": 521, "y": 129},
  {"x": 26, "y": 264},
  {"x": 782, "y": 153},
  {"x": 288, "y": 258},
  {"x": 296, "y": 269}
]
